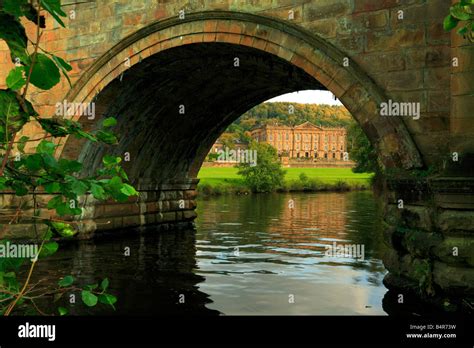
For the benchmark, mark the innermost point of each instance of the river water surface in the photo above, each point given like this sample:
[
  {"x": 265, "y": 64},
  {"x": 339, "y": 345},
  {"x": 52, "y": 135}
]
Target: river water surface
[{"x": 249, "y": 255}]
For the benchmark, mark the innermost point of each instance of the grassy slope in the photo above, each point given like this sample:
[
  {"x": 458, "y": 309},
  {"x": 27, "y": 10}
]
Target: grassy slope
[{"x": 229, "y": 176}]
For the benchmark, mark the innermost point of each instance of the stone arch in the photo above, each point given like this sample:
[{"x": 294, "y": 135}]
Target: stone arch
[{"x": 307, "y": 53}]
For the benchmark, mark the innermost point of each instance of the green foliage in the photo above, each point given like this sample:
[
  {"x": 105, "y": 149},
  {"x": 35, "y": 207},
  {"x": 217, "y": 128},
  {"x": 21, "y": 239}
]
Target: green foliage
[
  {"x": 54, "y": 8},
  {"x": 38, "y": 168},
  {"x": 14, "y": 35},
  {"x": 303, "y": 177},
  {"x": 15, "y": 79},
  {"x": 226, "y": 180},
  {"x": 270, "y": 113},
  {"x": 66, "y": 281},
  {"x": 45, "y": 74},
  {"x": 461, "y": 14},
  {"x": 362, "y": 152},
  {"x": 266, "y": 175},
  {"x": 89, "y": 298},
  {"x": 13, "y": 116}
]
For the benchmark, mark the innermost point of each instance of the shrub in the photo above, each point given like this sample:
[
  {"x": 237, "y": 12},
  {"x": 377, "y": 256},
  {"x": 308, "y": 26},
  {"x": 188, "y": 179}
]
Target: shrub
[{"x": 266, "y": 175}]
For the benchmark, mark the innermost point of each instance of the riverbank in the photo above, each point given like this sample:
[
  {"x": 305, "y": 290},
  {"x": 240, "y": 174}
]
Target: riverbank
[{"x": 217, "y": 181}]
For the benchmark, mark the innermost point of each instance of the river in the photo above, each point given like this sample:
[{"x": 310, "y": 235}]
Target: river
[{"x": 260, "y": 254}]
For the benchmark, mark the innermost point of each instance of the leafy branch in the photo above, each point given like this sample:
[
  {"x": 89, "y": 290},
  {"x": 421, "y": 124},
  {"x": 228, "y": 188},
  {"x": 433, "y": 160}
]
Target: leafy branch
[
  {"x": 461, "y": 14},
  {"x": 35, "y": 168}
]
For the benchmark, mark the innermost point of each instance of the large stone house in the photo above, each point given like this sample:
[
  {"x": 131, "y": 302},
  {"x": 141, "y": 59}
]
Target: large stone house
[{"x": 304, "y": 141}]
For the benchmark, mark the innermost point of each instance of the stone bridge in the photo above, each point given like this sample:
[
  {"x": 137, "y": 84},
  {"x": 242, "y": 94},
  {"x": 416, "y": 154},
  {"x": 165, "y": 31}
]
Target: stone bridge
[{"x": 167, "y": 70}]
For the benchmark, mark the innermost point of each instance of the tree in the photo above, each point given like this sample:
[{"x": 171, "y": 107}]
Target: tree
[
  {"x": 362, "y": 152},
  {"x": 266, "y": 174},
  {"x": 28, "y": 171}
]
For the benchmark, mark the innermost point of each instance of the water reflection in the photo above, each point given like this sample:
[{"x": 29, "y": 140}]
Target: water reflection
[
  {"x": 150, "y": 281},
  {"x": 258, "y": 251},
  {"x": 249, "y": 255}
]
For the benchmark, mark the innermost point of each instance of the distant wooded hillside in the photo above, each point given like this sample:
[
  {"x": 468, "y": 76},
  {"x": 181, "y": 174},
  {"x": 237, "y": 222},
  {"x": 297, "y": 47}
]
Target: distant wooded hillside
[{"x": 292, "y": 114}]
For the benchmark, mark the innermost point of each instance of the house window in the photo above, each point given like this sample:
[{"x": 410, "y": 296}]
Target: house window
[
  {"x": 270, "y": 137},
  {"x": 287, "y": 136}
]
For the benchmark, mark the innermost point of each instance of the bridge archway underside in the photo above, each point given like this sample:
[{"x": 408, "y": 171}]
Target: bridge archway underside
[
  {"x": 172, "y": 106},
  {"x": 178, "y": 62}
]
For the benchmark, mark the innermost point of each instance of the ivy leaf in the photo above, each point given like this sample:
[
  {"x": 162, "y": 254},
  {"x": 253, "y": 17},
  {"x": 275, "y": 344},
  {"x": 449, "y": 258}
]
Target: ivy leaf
[
  {"x": 450, "y": 23},
  {"x": 54, "y": 202},
  {"x": 78, "y": 187},
  {"x": 48, "y": 249},
  {"x": 109, "y": 122},
  {"x": 107, "y": 137},
  {"x": 45, "y": 147},
  {"x": 111, "y": 160},
  {"x": 89, "y": 298},
  {"x": 52, "y": 187},
  {"x": 66, "y": 281},
  {"x": 63, "y": 229},
  {"x": 128, "y": 190},
  {"x": 98, "y": 191},
  {"x": 33, "y": 162},
  {"x": 115, "y": 183},
  {"x": 104, "y": 284},
  {"x": 108, "y": 299},
  {"x": 15, "y": 79},
  {"x": 45, "y": 74},
  {"x": 62, "y": 311}
]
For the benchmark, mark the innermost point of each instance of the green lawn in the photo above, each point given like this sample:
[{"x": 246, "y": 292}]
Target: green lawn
[{"x": 229, "y": 176}]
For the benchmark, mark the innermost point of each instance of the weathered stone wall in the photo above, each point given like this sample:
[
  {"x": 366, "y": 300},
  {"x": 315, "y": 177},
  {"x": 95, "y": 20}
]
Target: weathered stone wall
[
  {"x": 166, "y": 205},
  {"x": 430, "y": 235}
]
